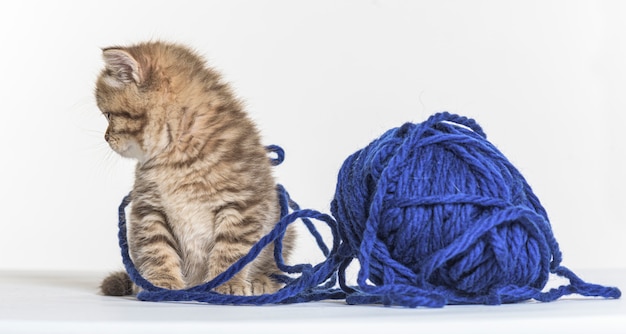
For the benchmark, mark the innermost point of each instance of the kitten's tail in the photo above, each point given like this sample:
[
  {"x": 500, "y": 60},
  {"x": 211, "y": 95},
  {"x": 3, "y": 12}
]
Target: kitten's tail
[{"x": 117, "y": 284}]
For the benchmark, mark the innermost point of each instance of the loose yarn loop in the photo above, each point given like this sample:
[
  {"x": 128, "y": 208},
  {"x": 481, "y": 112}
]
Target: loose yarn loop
[
  {"x": 433, "y": 213},
  {"x": 311, "y": 283}
]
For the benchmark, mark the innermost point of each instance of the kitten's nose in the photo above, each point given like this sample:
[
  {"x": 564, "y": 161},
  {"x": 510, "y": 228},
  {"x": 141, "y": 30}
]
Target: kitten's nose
[{"x": 106, "y": 136}]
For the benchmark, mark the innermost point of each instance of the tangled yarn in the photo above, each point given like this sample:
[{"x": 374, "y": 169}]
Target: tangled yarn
[
  {"x": 310, "y": 284},
  {"x": 436, "y": 215},
  {"x": 433, "y": 213}
]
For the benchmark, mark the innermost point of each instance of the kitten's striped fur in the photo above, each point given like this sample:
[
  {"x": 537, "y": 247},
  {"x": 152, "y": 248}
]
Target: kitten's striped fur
[{"x": 204, "y": 192}]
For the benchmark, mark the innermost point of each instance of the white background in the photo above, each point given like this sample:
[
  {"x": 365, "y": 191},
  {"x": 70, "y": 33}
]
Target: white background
[{"x": 545, "y": 79}]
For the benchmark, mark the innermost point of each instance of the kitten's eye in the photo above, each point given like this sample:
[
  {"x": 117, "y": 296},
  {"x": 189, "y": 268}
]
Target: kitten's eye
[{"x": 107, "y": 115}]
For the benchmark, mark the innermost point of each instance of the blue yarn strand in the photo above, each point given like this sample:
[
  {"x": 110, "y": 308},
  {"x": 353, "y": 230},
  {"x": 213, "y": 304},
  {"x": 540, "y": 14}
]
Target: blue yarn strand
[
  {"x": 306, "y": 286},
  {"x": 433, "y": 213}
]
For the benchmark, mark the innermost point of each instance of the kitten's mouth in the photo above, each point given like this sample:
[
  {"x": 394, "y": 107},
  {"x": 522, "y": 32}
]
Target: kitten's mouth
[
  {"x": 130, "y": 150},
  {"x": 125, "y": 153}
]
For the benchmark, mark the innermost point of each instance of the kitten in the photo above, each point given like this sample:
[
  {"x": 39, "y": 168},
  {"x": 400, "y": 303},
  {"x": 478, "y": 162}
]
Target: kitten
[{"x": 204, "y": 192}]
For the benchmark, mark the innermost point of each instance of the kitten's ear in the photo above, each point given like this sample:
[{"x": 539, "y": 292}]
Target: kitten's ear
[{"x": 122, "y": 66}]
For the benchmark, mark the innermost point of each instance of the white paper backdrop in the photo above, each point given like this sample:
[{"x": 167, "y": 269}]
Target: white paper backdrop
[{"x": 546, "y": 80}]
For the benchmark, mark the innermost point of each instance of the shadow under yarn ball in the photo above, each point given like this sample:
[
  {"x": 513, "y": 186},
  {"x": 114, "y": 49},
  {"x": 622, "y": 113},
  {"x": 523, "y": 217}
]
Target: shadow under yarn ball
[{"x": 436, "y": 209}]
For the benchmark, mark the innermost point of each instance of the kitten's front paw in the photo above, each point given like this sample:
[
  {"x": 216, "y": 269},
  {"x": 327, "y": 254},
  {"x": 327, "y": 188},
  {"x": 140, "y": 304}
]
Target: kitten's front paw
[
  {"x": 245, "y": 288},
  {"x": 263, "y": 285},
  {"x": 168, "y": 283},
  {"x": 238, "y": 288}
]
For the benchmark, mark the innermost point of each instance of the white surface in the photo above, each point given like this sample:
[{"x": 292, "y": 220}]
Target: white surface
[
  {"x": 40, "y": 302},
  {"x": 546, "y": 80}
]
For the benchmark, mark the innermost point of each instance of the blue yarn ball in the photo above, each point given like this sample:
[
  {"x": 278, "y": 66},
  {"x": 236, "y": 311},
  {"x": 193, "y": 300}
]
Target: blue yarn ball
[{"x": 434, "y": 210}]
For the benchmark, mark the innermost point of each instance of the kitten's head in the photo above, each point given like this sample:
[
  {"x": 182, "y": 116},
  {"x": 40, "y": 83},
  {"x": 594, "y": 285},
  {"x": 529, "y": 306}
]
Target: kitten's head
[{"x": 140, "y": 91}]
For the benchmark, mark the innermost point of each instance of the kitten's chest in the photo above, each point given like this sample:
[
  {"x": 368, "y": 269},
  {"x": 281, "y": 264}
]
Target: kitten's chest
[
  {"x": 192, "y": 225},
  {"x": 191, "y": 221},
  {"x": 191, "y": 218},
  {"x": 189, "y": 214}
]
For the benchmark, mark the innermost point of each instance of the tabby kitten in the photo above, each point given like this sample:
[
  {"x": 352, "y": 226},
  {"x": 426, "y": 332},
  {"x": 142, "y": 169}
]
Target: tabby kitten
[{"x": 203, "y": 192}]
